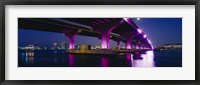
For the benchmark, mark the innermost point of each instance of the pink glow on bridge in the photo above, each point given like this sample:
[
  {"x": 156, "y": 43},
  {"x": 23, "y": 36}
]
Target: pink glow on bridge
[
  {"x": 105, "y": 41},
  {"x": 144, "y": 36},
  {"x": 139, "y": 30},
  {"x": 129, "y": 44}
]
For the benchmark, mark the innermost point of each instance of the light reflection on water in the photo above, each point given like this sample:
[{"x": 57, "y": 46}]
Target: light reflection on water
[
  {"x": 147, "y": 60},
  {"x": 104, "y": 62},
  {"x": 28, "y": 57},
  {"x": 62, "y": 59},
  {"x": 71, "y": 60}
]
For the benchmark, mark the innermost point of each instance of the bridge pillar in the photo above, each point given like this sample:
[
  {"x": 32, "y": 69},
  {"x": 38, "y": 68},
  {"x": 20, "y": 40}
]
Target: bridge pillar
[
  {"x": 105, "y": 40},
  {"x": 128, "y": 39},
  {"x": 134, "y": 45},
  {"x": 142, "y": 46},
  {"x": 118, "y": 42},
  {"x": 105, "y": 30},
  {"x": 71, "y": 35},
  {"x": 139, "y": 45},
  {"x": 129, "y": 43}
]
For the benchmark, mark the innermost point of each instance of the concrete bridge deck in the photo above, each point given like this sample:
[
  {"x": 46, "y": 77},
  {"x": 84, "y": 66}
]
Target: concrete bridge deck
[{"x": 117, "y": 29}]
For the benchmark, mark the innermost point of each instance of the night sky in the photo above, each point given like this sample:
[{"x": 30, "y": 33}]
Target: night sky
[{"x": 159, "y": 30}]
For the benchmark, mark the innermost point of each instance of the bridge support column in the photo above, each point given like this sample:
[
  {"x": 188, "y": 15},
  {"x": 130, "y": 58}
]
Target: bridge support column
[
  {"x": 105, "y": 38},
  {"x": 118, "y": 42},
  {"x": 142, "y": 47},
  {"x": 71, "y": 35},
  {"x": 134, "y": 46},
  {"x": 105, "y": 30},
  {"x": 71, "y": 42},
  {"x": 129, "y": 43},
  {"x": 139, "y": 45},
  {"x": 128, "y": 39}
]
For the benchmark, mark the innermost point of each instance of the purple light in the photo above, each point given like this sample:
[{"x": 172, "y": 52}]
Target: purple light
[
  {"x": 105, "y": 41},
  {"x": 128, "y": 44},
  {"x": 152, "y": 47},
  {"x": 144, "y": 36},
  {"x": 71, "y": 43},
  {"x": 150, "y": 44},
  {"x": 149, "y": 41},
  {"x": 104, "y": 62},
  {"x": 71, "y": 60},
  {"x": 139, "y": 30},
  {"x": 126, "y": 19},
  {"x": 128, "y": 56},
  {"x": 71, "y": 37}
]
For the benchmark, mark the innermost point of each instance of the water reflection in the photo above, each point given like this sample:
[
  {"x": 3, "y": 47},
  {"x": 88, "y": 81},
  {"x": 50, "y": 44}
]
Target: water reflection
[
  {"x": 104, "y": 62},
  {"x": 55, "y": 60},
  {"x": 145, "y": 59},
  {"x": 128, "y": 59},
  {"x": 128, "y": 56},
  {"x": 28, "y": 57},
  {"x": 62, "y": 59},
  {"x": 71, "y": 60}
]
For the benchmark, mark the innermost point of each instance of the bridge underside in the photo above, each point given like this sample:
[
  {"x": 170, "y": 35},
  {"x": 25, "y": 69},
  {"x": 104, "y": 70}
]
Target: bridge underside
[{"x": 117, "y": 29}]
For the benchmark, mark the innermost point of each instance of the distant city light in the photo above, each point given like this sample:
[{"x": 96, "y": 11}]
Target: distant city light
[
  {"x": 139, "y": 30},
  {"x": 138, "y": 18}
]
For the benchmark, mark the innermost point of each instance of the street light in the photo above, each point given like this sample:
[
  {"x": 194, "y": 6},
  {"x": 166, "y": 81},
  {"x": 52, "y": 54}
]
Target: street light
[
  {"x": 144, "y": 36},
  {"x": 138, "y": 18},
  {"x": 139, "y": 30}
]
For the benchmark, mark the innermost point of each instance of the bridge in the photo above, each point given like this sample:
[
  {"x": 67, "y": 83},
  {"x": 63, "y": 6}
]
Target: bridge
[{"x": 117, "y": 29}]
